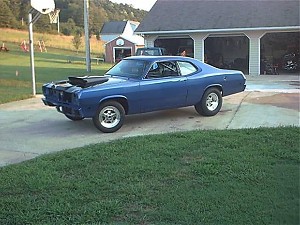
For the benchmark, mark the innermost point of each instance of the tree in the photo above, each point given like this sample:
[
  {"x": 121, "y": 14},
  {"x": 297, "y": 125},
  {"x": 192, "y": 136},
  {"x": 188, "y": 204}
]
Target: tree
[
  {"x": 97, "y": 17},
  {"x": 12, "y": 12},
  {"x": 68, "y": 28},
  {"x": 77, "y": 42},
  {"x": 43, "y": 24},
  {"x": 7, "y": 18}
]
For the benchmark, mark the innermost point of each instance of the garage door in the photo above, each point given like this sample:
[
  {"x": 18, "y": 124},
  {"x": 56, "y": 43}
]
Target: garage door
[
  {"x": 280, "y": 53},
  {"x": 227, "y": 52},
  {"x": 176, "y": 45}
]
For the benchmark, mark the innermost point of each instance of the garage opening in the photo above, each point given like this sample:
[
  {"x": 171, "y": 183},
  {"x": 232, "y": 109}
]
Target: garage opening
[
  {"x": 177, "y": 45},
  {"x": 227, "y": 52},
  {"x": 120, "y": 53},
  {"x": 279, "y": 53}
]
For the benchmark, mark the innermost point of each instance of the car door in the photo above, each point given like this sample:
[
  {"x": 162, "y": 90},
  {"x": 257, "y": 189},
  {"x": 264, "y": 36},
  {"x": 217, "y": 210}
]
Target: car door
[{"x": 163, "y": 87}]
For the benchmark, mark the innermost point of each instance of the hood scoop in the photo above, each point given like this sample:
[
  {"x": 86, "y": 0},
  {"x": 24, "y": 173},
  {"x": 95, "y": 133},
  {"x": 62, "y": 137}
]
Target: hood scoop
[{"x": 87, "y": 81}]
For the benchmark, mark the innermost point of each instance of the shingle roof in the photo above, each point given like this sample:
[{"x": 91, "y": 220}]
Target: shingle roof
[
  {"x": 183, "y": 15},
  {"x": 113, "y": 27}
]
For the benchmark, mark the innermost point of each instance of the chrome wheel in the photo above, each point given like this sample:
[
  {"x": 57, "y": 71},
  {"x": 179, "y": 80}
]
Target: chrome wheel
[
  {"x": 109, "y": 117},
  {"x": 212, "y": 101}
]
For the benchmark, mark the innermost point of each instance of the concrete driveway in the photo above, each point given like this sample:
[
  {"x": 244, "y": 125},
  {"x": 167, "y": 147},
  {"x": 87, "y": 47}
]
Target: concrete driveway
[{"x": 29, "y": 129}]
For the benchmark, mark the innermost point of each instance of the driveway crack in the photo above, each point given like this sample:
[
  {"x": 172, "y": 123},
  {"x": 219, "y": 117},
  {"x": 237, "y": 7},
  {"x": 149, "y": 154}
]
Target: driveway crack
[{"x": 238, "y": 108}]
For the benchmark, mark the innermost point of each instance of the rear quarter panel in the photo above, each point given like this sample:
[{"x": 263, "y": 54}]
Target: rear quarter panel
[
  {"x": 228, "y": 81},
  {"x": 199, "y": 83},
  {"x": 234, "y": 82}
]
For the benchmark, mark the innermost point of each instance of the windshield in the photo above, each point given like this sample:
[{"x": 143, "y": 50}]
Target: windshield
[
  {"x": 147, "y": 52},
  {"x": 132, "y": 68}
]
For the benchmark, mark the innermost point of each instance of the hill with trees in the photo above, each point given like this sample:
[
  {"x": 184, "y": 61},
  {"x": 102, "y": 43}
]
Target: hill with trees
[{"x": 14, "y": 14}]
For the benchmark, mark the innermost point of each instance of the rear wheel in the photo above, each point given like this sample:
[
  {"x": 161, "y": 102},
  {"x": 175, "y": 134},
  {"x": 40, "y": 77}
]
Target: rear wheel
[
  {"x": 210, "y": 103},
  {"x": 109, "y": 117}
]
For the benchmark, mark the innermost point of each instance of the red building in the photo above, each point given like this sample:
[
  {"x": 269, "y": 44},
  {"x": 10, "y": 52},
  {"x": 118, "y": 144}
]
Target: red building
[
  {"x": 120, "y": 39},
  {"x": 120, "y": 47}
]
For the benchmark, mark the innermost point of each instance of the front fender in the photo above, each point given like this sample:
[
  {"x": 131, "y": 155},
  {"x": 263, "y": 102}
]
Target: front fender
[
  {"x": 112, "y": 97},
  {"x": 119, "y": 98}
]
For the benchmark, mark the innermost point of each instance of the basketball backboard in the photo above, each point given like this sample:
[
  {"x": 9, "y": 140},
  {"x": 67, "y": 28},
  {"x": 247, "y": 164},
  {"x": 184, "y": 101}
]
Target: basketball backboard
[{"x": 43, "y": 6}]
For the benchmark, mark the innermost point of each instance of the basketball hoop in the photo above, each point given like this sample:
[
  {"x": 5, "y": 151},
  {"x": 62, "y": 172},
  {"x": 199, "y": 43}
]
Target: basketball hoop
[
  {"x": 44, "y": 6},
  {"x": 54, "y": 16}
]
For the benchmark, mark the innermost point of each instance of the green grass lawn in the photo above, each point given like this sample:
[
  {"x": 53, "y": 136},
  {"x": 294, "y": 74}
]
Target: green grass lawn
[
  {"x": 15, "y": 73},
  {"x": 247, "y": 176}
]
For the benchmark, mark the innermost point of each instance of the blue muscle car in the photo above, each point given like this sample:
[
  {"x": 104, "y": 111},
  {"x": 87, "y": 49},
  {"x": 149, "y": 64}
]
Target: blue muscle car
[{"x": 140, "y": 84}]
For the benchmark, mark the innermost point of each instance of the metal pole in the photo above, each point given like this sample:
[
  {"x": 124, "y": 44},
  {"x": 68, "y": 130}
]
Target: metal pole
[
  {"x": 58, "y": 31},
  {"x": 87, "y": 36},
  {"x": 31, "y": 53}
]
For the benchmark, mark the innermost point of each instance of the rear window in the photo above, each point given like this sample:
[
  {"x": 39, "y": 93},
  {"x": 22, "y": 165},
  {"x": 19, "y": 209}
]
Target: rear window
[
  {"x": 148, "y": 52},
  {"x": 186, "y": 68}
]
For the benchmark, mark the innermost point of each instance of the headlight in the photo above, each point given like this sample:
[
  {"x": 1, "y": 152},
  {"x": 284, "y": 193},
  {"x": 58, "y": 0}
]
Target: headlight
[{"x": 76, "y": 96}]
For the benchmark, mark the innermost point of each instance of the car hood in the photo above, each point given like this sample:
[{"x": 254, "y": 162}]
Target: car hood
[{"x": 90, "y": 81}]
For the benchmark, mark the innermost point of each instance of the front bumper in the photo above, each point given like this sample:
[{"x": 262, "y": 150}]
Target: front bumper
[
  {"x": 65, "y": 108},
  {"x": 64, "y": 97},
  {"x": 47, "y": 102}
]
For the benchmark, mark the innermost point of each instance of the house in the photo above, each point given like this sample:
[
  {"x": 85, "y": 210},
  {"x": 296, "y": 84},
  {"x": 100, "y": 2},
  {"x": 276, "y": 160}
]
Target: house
[
  {"x": 120, "y": 39},
  {"x": 245, "y": 35}
]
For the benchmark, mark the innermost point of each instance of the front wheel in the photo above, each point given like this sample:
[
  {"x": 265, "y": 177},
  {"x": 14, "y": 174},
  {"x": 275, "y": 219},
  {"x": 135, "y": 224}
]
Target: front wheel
[
  {"x": 210, "y": 103},
  {"x": 109, "y": 117}
]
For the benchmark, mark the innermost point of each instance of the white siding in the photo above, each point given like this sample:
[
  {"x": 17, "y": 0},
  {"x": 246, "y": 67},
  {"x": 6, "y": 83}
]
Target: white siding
[
  {"x": 128, "y": 30},
  {"x": 199, "y": 45},
  {"x": 149, "y": 40},
  {"x": 254, "y": 51}
]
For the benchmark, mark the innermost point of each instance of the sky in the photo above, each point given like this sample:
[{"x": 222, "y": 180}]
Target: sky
[{"x": 139, "y": 4}]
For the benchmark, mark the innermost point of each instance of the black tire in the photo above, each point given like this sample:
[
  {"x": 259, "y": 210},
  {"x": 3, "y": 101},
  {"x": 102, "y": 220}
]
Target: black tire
[
  {"x": 109, "y": 117},
  {"x": 74, "y": 118},
  {"x": 210, "y": 103}
]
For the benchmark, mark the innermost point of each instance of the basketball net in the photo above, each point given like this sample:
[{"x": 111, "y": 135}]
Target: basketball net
[{"x": 54, "y": 16}]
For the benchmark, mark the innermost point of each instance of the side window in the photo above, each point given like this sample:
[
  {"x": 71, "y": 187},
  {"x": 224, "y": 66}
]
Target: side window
[
  {"x": 169, "y": 68},
  {"x": 154, "y": 71},
  {"x": 186, "y": 68},
  {"x": 163, "y": 69}
]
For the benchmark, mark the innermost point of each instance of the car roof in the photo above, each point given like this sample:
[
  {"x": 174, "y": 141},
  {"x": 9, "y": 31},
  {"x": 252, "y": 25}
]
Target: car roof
[
  {"x": 150, "y": 48},
  {"x": 159, "y": 58}
]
